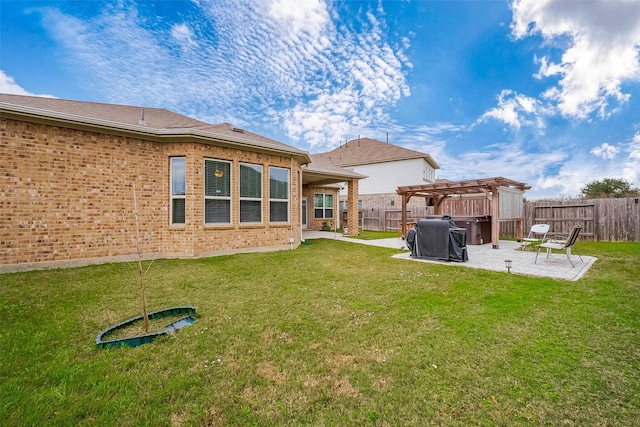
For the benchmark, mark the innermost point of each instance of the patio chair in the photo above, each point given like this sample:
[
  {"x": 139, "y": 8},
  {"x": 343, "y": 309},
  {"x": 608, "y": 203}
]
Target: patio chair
[
  {"x": 565, "y": 245},
  {"x": 537, "y": 235}
]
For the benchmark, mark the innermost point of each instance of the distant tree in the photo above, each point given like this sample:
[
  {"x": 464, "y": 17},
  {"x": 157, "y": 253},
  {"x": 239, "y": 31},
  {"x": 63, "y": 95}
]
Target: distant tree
[{"x": 608, "y": 187}]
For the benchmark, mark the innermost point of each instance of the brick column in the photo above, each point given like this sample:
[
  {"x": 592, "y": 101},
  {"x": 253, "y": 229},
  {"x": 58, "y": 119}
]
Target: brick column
[{"x": 352, "y": 206}]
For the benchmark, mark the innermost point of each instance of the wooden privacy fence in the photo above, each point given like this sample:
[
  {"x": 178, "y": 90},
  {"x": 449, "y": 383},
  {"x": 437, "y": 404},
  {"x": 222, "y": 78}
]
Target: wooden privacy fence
[{"x": 603, "y": 219}]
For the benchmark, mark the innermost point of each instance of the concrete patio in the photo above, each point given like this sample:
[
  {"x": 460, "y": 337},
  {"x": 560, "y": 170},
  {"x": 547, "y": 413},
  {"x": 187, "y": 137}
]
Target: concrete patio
[{"x": 557, "y": 266}]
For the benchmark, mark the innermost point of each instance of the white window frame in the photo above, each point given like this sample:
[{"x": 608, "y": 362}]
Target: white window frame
[
  {"x": 324, "y": 206},
  {"x": 277, "y": 200},
  {"x": 250, "y": 199},
  {"x": 172, "y": 196},
  {"x": 209, "y": 197}
]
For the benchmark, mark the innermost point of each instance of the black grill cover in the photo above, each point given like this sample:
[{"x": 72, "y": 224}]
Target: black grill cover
[
  {"x": 438, "y": 239},
  {"x": 411, "y": 238}
]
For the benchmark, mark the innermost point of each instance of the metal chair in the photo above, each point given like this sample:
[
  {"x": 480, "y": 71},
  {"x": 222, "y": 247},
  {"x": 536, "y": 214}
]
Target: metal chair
[
  {"x": 537, "y": 234},
  {"x": 565, "y": 245}
]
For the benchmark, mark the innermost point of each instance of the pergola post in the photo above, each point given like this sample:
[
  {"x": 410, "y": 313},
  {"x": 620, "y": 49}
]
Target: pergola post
[
  {"x": 437, "y": 205},
  {"x": 495, "y": 218},
  {"x": 520, "y": 230},
  {"x": 405, "y": 199}
]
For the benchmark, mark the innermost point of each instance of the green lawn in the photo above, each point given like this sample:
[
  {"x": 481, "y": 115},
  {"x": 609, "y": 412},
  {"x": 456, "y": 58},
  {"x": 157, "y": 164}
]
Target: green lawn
[
  {"x": 373, "y": 235},
  {"x": 329, "y": 334}
]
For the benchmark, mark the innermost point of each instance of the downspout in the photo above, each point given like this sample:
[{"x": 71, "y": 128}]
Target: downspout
[
  {"x": 166, "y": 197},
  {"x": 300, "y": 202},
  {"x": 290, "y": 204},
  {"x": 193, "y": 200}
]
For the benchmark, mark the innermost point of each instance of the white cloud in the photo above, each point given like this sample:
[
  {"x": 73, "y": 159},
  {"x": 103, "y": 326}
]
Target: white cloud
[
  {"x": 578, "y": 169},
  {"x": 361, "y": 77},
  {"x": 510, "y": 159},
  {"x": 566, "y": 183},
  {"x": 516, "y": 110},
  {"x": 603, "y": 50},
  {"x": 559, "y": 170},
  {"x": 291, "y": 64},
  {"x": 309, "y": 16},
  {"x": 605, "y": 151},
  {"x": 9, "y": 85},
  {"x": 323, "y": 116},
  {"x": 513, "y": 161},
  {"x": 631, "y": 169},
  {"x": 183, "y": 35},
  {"x": 568, "y": 177}
]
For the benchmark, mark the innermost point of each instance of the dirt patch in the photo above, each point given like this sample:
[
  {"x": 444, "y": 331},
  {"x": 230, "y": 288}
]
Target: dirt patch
[
  {"x": 276, "y": 336},
  {"x": 271, "y": 372},
  {"x": 343, "y": 387}
]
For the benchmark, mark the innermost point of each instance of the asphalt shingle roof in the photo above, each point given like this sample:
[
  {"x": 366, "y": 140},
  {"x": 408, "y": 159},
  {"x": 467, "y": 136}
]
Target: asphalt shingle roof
[
  {"x": 156, "y": 119},
  {"x": 365, "y": 151}
]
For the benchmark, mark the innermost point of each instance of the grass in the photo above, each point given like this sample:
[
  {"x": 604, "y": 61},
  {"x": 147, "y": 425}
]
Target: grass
[
  {"x": 373, "y": 235},
  {"x": 331, "y": 333}
]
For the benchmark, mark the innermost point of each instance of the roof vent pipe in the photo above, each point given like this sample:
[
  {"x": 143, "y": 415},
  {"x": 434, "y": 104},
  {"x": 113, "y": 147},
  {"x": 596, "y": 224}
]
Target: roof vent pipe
[{"x": 141, "y": 122}]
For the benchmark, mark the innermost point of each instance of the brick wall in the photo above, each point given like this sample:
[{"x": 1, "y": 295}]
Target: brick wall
[{"x": 67, "y": 194}]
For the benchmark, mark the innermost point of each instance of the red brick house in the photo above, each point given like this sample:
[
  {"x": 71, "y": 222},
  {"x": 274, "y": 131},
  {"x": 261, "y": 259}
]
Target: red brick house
[{"x": 69, "y": 171}]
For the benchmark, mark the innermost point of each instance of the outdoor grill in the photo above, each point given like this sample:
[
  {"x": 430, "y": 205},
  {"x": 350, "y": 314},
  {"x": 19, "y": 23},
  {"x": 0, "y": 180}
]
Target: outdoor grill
[{"x": 438, "y": 239}]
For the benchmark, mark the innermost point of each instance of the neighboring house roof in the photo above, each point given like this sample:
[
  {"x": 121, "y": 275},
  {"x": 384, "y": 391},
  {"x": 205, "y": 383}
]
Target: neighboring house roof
[
  {"x": 316, "y": 175},
  {"x": 364, "y": 151},
  {"x": 152, "y": 123}
]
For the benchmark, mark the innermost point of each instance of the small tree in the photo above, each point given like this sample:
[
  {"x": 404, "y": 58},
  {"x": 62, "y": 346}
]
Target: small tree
[
  {"x": 608, "y": 187},
  {"x": 141, "y": 273}
]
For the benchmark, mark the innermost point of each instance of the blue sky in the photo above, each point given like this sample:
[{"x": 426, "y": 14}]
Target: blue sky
[{"x": 543, "y": 92}]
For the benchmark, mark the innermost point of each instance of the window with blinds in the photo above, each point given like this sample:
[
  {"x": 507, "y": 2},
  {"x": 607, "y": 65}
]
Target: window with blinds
[
  {"x": 250, "y": 193},
  {"x": 178, "y": 178},
  {"x": 217, "y": 192},
  {"x": 278, "y": 194}
]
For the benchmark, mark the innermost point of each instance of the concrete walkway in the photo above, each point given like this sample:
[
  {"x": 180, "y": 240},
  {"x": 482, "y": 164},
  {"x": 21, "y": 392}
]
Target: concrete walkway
[{"x": 557, "y": 266}]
